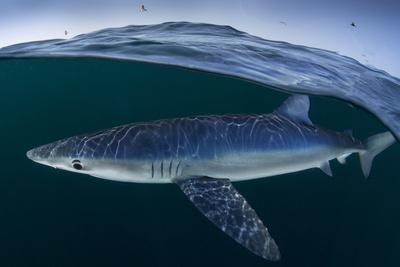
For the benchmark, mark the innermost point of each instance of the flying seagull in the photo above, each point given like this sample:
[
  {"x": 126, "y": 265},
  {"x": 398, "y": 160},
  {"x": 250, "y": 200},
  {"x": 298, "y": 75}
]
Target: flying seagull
[
  {"x": 203, "y": 155},
  {"x": 142, "y": 8}
]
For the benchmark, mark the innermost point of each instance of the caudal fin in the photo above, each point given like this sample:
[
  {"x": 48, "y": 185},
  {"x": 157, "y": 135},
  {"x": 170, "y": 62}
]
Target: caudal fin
[{"x": 374, "y": 145}]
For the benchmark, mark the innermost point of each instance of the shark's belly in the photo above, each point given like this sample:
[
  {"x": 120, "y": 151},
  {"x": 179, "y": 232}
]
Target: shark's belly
[
  {"x": 234, "y": 166},
  {"x": 252, "y": 165}
]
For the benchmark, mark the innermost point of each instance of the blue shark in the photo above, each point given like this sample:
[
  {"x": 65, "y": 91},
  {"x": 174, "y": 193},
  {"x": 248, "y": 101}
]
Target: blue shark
[{"x": 204, "y": 154}]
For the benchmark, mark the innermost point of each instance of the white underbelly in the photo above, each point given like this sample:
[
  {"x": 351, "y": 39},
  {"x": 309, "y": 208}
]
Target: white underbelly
[
  {"x": 247, "y": 166},
  {"x": 236, "y": 167}
]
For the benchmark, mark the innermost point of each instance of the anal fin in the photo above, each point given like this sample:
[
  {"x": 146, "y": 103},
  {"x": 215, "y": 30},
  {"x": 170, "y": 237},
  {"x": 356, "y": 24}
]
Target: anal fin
[
  {"x": 342, "y": 158},
  {"x": 219, "y": 201},
  {"x": 326, "y": 168}
]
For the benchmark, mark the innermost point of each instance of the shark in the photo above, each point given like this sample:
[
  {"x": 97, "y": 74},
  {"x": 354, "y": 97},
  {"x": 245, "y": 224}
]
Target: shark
[{"x": 203, "y": 155}]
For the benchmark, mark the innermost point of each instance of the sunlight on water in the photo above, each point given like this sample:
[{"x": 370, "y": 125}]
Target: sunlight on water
[{"x": 222, "y": 49}]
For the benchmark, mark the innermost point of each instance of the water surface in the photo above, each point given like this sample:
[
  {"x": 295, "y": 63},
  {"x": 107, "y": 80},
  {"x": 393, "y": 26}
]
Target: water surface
[{"x": 223, "y": 49}]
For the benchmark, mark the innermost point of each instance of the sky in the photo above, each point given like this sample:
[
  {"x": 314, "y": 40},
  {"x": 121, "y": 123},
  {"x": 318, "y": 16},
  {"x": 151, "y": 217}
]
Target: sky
[{"x": 316, "y": 23}]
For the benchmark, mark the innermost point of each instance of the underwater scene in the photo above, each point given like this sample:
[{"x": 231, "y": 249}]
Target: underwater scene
[{"x": 195, "y": 144}]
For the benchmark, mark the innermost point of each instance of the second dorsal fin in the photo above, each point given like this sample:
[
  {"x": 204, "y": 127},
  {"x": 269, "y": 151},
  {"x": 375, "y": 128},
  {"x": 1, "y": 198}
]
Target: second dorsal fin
[{"x": 296, "y": 108}]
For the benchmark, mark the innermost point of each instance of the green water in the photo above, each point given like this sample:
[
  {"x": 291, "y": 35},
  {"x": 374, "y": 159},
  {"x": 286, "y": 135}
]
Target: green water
[{"x": 50, "y": 217}]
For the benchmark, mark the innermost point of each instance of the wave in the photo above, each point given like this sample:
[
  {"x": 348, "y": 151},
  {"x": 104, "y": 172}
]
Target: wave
[{"x": 225, "y": 50}]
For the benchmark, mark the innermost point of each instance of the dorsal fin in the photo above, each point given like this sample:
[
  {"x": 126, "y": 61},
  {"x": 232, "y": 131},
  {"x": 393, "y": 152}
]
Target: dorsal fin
[{"x": 296, "y": 108}]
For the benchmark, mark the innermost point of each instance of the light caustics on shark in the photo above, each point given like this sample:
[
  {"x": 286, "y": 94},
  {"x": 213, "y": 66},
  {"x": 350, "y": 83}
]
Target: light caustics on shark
[{"x": 203, "y": 154}]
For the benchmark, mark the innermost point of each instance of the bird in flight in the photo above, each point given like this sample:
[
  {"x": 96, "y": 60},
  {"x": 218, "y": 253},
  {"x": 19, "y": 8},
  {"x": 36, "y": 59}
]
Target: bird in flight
[{"x": 142, "y": 8}]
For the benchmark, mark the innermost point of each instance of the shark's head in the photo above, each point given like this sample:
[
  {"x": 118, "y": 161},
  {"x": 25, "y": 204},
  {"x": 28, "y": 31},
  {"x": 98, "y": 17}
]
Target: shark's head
[
  {"x": 78, "y": 154},
  {"x": 62, "y": 154}
]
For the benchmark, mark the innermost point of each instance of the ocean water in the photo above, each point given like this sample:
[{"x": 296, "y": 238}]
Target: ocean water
[
  {"x": 51, "y": 217},
  {"x": 54, "y": 218},
  {"x": 223, "y": 49}
]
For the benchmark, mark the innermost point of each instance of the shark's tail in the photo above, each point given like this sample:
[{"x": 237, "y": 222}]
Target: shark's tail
[{"x": 374, "y": 145}]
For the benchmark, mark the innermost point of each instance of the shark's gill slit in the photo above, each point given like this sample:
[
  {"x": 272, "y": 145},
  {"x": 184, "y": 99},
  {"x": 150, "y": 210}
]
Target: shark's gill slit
[
  {"x": 152, "y": 169},
  {"x": 162, "y": 169},
  {"x": 177, "y": 168},
  {"x": 170, "y": 168}
]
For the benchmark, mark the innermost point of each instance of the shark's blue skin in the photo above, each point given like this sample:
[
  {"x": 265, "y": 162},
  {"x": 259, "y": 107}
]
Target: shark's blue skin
[
  {"x": 202, "y": 154},
  {"x": 201, "y": 137},
  {"x": 172, "y": 146}
]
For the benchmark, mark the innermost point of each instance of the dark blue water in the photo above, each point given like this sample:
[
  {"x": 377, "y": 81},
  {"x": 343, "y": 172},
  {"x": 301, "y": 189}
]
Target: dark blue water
[{"x": 55, "y": 218}]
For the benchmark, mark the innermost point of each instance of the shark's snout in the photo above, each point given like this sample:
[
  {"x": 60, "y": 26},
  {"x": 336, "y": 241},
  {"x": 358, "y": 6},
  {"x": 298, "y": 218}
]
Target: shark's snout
[
  {"x": 30, "y": 154},
  {"x": 45, "y": 152},
  {"x": 37, "y": 154}
]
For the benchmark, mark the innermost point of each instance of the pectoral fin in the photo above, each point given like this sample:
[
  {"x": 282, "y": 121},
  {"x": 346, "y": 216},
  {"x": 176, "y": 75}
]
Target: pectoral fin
[{"x": 219, "y": 201}]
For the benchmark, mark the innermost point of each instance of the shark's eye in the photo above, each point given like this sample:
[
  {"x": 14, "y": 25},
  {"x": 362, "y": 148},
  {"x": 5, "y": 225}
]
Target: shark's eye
[{"x": 77, "y": 165}]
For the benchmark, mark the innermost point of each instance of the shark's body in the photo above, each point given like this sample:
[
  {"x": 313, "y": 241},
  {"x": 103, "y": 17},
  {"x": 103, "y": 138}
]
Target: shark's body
[{"x": 202, "y": 154}]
